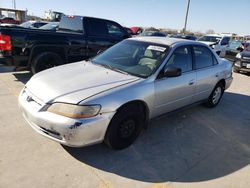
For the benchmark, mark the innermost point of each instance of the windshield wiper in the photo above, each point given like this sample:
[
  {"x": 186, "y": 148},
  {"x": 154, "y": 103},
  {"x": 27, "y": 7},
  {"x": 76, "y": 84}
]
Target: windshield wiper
[{"x": 108, "y": 66}]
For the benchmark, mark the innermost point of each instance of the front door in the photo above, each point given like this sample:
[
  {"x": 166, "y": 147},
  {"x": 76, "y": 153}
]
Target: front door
[{"x": 172, "y": 93}]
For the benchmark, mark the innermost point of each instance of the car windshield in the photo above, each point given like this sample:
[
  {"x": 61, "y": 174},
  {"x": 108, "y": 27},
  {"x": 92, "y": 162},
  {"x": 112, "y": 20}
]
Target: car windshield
[
  {"x": 133, "y": 57},
  {"x": 26, "y": 24},
  {"x": 234, "y": 44},
  {"x": 50, "y": 26},
  {"x": 209, "y": 38}
]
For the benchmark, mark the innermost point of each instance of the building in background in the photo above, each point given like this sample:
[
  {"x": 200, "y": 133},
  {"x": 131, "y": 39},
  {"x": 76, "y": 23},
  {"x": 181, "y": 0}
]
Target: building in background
[{"x": 20, "y": 15}]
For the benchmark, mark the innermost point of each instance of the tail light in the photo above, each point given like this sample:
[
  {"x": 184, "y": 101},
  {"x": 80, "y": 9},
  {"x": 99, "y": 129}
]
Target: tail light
[{"x": 5, "y": 43}]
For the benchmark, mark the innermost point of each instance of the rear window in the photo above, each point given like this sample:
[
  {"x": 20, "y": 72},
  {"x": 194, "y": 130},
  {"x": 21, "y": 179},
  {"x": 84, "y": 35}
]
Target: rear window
[{"x": 71, "y": 24}]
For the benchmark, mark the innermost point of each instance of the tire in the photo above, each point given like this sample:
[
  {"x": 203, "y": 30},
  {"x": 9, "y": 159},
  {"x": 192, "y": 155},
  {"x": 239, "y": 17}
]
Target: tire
[
  {"x": 215, "y": 96},
  {"x": 125, "y": 127},
  {"x": 45, "y": 61}
]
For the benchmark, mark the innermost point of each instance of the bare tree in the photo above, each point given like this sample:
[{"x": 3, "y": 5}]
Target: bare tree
[{"x": 210, "y": 31}]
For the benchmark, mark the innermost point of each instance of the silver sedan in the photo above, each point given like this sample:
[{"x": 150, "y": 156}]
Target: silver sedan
[{"x": 113, "y": 96}]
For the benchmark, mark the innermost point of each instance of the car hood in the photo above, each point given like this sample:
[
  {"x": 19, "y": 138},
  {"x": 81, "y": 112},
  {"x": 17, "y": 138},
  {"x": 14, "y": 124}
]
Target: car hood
[
  {"x": 245, "y": 53},
  {"x": 75, "y": 82}
]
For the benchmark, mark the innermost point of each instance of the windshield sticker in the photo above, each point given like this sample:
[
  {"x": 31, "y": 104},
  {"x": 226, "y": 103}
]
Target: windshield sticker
[{"x": 156, "y": 48}]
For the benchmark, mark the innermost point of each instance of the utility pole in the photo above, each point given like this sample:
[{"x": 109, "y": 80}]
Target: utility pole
[
  {"x": 14, "y": 4},
  {"x": 185, "y": 26}
]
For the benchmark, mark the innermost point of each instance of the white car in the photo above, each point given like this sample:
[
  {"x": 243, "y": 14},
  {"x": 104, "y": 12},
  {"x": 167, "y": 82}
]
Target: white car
[{"x": 217, "y": 42}]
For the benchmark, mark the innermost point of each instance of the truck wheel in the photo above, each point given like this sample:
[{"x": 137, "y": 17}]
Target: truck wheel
[
  {"x": 44, "y": 61},
  {"x": 125, "y": 127},
  {"x": 215, "y": 96}
]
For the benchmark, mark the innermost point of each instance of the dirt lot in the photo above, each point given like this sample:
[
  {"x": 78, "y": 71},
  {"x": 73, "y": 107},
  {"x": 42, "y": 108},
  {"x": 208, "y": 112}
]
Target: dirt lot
[{"x": 198, "y": 147}]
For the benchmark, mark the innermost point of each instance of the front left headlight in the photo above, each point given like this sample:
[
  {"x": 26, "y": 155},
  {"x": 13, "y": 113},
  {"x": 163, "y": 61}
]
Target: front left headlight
[
  {"x": 238, "y": 56},
  {"x": 74, "y": 111}
]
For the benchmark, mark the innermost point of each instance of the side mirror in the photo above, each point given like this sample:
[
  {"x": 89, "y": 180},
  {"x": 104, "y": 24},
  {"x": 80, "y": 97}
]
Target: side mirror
[{"x": 172, "y": 71}]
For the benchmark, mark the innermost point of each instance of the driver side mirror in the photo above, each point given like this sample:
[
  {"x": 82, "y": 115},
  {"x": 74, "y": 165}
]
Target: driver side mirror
[{"x": 172, "y": 71}]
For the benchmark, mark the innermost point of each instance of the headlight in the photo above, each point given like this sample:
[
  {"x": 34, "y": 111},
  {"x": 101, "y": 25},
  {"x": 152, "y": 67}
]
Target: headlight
[
  {"x": 238, "y": 56},
  {"x": 74, "y": 111}
]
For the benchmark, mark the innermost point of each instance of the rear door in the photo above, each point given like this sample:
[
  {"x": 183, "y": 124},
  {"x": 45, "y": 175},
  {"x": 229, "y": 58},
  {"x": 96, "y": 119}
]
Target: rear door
[
  {"x": 174, "y": 92},
  {"x": 102, "y": 34},
  {"x": 207, "y": 71}
]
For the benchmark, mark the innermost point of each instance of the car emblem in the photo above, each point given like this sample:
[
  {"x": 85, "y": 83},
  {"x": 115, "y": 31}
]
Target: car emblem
[{"x": 29, "y": 99}]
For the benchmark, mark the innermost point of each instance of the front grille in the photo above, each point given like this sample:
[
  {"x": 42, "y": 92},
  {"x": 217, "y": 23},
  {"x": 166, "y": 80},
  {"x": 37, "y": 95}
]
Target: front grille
[{"x": 31, "y": 100}]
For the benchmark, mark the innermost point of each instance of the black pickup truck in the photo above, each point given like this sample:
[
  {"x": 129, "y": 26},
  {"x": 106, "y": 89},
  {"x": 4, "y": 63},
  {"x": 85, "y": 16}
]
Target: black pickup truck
[{"x": 77, "y": 38}]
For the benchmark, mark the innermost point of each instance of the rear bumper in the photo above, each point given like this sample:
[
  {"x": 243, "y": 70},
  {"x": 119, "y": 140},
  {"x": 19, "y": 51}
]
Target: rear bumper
[{"x": 8, "y": 61}]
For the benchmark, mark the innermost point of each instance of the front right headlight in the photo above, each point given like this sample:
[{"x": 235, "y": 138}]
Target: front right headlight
[
  {"x": 238, "y": 56},
  {"x": 74, "y": 111}
]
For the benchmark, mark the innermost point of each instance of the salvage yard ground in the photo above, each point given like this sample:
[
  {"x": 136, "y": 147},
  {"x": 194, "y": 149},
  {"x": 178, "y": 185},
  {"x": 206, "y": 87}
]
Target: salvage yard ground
[{"x": 198, "y": 147}]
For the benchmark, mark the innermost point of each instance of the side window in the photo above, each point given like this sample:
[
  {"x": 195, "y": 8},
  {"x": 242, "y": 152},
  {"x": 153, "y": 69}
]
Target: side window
[
  {"x": 115, "y": 30},
  {"x": 203, "y": 57},
  {"x": 181, "y": 58},
  {"x": 97, "y": 27},
  {"x": 225, "y": 41}
]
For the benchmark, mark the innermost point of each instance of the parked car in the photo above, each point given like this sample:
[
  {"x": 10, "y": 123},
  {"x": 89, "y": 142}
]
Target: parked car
[
  {"x": 112, "y": 96},
  {"x": 50, "y": 26},
  {"x": 136, "y": 30},
  {"x": 129, "y": 31},
  {"x": 152, "y": 34},
  {"x": 232, "y": 50},
  {"x": 77, "y": 38},
  {"x": 187, "y": 37},
  {"x": 9, "y": 20},
  {"x": 217, "y": 42},
  {"x": 33, "y": 24},
  {"x": 242, "y": 62}
]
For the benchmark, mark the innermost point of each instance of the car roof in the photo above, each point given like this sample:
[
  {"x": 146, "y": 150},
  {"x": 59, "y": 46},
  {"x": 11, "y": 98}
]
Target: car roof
[{"x": 164, "y": 40}]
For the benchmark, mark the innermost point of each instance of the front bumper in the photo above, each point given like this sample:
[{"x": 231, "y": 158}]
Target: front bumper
[
  {"x": 242, "y": 65},
  {"x": 67, "y": 131}
]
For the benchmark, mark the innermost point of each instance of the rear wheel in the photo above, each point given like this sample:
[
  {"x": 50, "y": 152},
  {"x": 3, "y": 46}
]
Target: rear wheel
[
  {"x": 125, "y": 127},
  {"x": 215, "y": 96},
  {"x": 44, "y": 61}
]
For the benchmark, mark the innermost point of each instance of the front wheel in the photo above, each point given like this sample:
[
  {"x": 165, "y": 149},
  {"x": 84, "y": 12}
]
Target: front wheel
[
  {"x": 215, "y": 96},
  {"x": 125, "y": 127}
]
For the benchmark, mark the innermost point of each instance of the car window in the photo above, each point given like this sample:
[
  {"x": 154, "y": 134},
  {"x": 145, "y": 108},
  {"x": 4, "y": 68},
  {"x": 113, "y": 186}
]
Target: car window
[
  {"x": 225, "y": 41},
  {"x": 181, "y": 58},
  {"x": 133, "y": 57},
  {"x": 203, "y": 57},
  {"x": 72, "y": 24},
  {"x": 114, "y": 30},
  {"x": 97, "y": 27}
]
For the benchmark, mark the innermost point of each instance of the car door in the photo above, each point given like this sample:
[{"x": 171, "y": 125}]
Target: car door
[
  {"x": 207, "y": 72},
  {"x": 172, "y": 93},
  {"x": 102, "y": 34}
]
